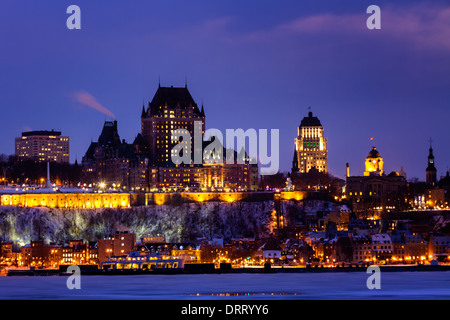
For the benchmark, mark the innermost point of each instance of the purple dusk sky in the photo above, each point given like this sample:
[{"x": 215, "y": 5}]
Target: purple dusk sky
[{"x": 254, "y": 64}]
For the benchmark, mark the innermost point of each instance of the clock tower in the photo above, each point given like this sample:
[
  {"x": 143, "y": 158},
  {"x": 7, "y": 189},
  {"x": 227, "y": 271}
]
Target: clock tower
[{"x": 374, "y": 163}]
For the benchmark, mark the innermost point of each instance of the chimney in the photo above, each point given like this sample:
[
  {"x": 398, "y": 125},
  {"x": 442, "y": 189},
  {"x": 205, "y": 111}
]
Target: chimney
[{"x": 348, "y": 170}]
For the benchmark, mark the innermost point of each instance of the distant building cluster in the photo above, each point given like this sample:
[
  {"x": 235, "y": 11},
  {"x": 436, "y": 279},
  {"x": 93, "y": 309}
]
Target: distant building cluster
[
  {"x": 373, "y": 192},
  {"x": 334, "y": 239},
  {"x": 146, "y": 163},
  {"x": 39, "y": 254}
]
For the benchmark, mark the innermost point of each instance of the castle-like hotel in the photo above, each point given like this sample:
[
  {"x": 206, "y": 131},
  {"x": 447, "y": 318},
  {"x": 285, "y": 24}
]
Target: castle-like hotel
[{"x": 146, "y": 163}]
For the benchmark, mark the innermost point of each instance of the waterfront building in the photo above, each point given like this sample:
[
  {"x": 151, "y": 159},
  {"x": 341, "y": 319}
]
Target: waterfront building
[
  {"x": 310, "y": 146},
  {"x": 409, "y": 248},
  {"x": 382, "y": 247},
  {"x": 77, "y": 252},
  {"x": 439, "y": 248},
  {"x": 43, "y": 146},
  {"x": 361, "y": 248},
  {"x": 40, "y": 254},
  {"x": 121, "y": 243},
  {"x": 6, "y": 250}
]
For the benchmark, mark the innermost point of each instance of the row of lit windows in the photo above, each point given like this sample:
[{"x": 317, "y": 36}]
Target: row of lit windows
[{"x": 312, "y": 132}]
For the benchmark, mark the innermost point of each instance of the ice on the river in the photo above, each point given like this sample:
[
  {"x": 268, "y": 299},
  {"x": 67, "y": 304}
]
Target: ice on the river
[{"x": 349, "y": 286}]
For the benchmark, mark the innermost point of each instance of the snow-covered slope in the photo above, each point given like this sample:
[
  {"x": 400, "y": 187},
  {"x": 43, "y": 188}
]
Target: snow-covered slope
[{"x": 176, "y": 223}]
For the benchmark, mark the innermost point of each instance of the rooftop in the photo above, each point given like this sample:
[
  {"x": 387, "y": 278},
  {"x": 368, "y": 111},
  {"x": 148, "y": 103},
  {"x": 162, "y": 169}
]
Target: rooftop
[
  {"x": 41, "y": 133},
  {"x": 310, "y": 121}
]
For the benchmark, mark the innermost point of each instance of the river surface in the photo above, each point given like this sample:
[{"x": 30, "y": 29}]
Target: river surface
[{"x": 286, "y": 286}]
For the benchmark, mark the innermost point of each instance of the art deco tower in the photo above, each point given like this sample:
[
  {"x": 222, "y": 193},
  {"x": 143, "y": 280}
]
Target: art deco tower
[{"x": 310, "y": 146}]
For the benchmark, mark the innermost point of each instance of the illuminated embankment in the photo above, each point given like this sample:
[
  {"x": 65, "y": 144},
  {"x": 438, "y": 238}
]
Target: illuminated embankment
[
  {"x": 123, "y": 200},
  {"x": 183, "y": 197},
  {"x": 67, "y": 200}
]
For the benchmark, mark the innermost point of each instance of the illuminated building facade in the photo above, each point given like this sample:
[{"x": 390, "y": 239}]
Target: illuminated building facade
[
  {"x": 147, "y": 162},
  {"x": 121, "y": 243},
  {"x": 376, "y": 192},
  {"x": 374, "y": 163},
  {"x": 170, "y": 109},
  {"x": 310, "y": 146},
  {"x": 42, "y": 146},
  {"x": 113, "y": 161}
]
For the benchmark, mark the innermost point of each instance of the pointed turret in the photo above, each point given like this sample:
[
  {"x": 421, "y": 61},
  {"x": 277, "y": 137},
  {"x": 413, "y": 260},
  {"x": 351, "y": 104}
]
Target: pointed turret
[
  {"x": 202, "y": 112},
  {"x": 143, "y": 114}
]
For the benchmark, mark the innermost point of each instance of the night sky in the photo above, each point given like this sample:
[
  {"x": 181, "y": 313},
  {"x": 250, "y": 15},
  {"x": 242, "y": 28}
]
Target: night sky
[{"x": 253, "y": 64}]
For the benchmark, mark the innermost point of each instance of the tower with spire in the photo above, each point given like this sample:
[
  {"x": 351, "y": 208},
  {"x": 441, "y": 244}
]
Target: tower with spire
[{"x": 430, "y": 172}]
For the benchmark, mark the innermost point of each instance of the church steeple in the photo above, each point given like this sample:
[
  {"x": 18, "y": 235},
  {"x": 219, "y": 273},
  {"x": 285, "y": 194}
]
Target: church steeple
[{"x": 431, "y": 169}]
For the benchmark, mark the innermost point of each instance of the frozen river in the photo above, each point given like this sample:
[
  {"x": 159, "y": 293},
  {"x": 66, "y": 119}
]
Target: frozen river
[{"x": 342, "y": 285}]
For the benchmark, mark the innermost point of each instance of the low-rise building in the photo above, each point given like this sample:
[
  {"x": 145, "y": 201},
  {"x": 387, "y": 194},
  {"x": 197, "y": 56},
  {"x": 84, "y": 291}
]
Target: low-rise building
[
  {"x": 41, "y": 255},
  {"x": 120, "y": 244},
  {"x": 409, "y": 248},
  {"x": 362, "y": 249},
  {"x": 439, "y": 248},
  {"x": 382, "y": 248}
]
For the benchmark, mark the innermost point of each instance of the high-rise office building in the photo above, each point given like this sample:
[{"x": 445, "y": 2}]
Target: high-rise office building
[
  {"x": 43, "y": 146},
  {"x": 310, "y": 146}
]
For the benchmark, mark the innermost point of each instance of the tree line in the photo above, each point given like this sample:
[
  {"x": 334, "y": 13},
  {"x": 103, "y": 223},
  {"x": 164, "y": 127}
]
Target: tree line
[{"x": 31, "y": 173}]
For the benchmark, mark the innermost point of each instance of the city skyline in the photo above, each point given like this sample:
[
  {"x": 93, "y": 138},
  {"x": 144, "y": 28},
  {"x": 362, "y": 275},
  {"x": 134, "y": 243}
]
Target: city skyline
[{"x": 389, "y": 84}]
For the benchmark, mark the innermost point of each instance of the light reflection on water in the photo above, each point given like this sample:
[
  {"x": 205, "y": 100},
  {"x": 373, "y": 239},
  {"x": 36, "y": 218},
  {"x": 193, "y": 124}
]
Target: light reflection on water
[{"x": 245, "y": 294}]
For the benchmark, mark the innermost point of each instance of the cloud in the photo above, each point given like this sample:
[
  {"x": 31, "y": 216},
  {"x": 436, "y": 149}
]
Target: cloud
[
  {"x": 87, "y": 99},
  {"x": 423, "y": 26},
  {"x": 325, "y": 23}
]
